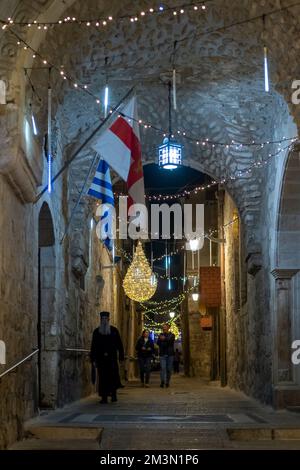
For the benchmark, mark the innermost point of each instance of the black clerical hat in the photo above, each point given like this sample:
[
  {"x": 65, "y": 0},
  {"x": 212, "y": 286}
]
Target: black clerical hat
[{"x": 104, "y": 314}]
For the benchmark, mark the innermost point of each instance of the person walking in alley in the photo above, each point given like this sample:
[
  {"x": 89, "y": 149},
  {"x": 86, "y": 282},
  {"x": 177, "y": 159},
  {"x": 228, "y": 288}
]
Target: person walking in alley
[
  {"x": 176, "y": 361},
  {"x": 145, "y": 351},
  {"x": 166, "y": 353},
  {"x": 106, "y": 350}
]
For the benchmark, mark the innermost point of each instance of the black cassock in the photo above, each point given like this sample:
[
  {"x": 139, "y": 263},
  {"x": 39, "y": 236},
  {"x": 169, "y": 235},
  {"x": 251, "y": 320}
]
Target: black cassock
[{"x": 106, "y": 350}]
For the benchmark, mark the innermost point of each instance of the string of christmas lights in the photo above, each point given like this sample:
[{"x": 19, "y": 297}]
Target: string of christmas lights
[
  {"x": 145, "y": 125},
  {"x": 168, "y": 303},
  {"x": 208, "y": 235},
  {"x": 84, "y": 88},
  {"x": 155, "y": 323},
  {"x": 163, "y": 309},
  {"x": 238, "y": 174},
  {"x": 106, "y": 20}
]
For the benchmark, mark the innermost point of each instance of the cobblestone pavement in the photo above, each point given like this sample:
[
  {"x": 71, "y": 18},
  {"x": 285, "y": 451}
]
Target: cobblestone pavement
[{"x": 191, "y": 414}]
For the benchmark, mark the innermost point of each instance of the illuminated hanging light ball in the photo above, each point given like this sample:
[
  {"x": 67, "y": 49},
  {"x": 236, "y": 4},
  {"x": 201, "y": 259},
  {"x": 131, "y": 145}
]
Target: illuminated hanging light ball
[
  {"x": 174, "y": 329},
  {"x": 140, "y": 283}
]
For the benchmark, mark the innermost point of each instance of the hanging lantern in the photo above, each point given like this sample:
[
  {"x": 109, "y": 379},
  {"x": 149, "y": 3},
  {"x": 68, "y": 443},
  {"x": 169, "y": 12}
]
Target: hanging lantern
[
  {"x": 140, "y": 283},
  {"x": 170, "y": 152}
]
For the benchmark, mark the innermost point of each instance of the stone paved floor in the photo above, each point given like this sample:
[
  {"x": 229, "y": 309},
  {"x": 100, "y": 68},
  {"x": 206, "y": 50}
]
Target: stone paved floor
[{"x": 191, "y": 414}]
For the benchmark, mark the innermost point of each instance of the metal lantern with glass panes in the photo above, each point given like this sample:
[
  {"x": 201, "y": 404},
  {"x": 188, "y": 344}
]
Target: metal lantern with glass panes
[
  {"x": 169, "y": 154},
  {"x": 170, "y": 151}
]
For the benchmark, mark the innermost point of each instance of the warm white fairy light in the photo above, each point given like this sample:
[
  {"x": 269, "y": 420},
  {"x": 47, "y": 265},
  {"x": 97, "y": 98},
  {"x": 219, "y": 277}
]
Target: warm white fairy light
[
  {"x": 160, "y": 9},
  {"x": 148, "y": 126}
]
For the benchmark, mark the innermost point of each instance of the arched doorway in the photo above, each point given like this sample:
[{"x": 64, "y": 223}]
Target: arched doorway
[
  {"x": 46, "y": 325},
  {"x": 286, "y": 318}
]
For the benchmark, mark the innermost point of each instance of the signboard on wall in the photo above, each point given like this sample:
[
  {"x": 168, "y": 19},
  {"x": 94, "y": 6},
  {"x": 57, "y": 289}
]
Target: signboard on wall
[
  {"x": 206, "y": 322},
  {"x": 210, "y": 286}
]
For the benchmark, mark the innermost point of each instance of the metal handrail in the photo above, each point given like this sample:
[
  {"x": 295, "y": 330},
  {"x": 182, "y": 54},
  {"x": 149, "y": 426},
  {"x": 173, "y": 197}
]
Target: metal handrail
[
  {"x": 18, "y": 363},
  {"x": 78, "y": 350}
]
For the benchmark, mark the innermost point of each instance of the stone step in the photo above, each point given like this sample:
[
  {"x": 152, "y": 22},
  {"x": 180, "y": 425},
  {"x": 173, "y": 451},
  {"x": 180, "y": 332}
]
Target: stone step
[
  {"x": 60, "y": 438},
  {"x": 264, "y": 433}
]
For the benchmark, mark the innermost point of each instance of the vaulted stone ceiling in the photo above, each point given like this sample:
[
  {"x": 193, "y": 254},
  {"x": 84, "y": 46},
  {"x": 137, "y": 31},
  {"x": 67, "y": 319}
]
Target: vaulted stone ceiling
[{"x": 220, "y": 91}]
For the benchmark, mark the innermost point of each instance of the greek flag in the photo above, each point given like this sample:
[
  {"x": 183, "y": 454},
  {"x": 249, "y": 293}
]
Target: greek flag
[{"x": 101, "y": 188}]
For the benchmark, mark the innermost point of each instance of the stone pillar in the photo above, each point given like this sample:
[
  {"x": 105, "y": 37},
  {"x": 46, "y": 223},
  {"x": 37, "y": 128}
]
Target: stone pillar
[
  {"x": 286, "y": 390},
  {"x": 49, "y": 341},
  {"x": 185, "y": 337},
  {"x": 131, "y": 369},
  {"x": 222, "y": 320}
]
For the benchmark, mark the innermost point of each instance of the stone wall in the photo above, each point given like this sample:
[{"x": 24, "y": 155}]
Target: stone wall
[
  {"x": 250, "y": 257},
  {"x": 74, "y": 286}
]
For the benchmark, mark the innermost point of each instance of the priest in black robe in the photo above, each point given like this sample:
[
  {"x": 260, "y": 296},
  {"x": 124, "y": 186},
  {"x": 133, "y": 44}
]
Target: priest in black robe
[{"x": 106, "y": 352}]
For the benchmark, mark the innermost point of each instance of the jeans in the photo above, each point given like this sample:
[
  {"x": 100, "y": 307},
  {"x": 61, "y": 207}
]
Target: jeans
[
  {"x": 145, "y": 367},
  {"x": 166, "y": 367}
]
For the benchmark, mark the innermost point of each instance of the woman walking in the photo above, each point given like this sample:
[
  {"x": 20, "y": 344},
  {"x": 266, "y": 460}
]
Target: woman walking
[{"x": 145, "y": 351}]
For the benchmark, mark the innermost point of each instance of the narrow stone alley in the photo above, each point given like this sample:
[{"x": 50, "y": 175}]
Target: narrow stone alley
[{"x": 191, "y": 414}]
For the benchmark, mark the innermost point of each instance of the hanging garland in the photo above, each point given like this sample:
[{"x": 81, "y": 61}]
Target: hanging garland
[
  {"x": 157, "y": 327},
  {"x": 84, "y": 87},
  {"x": 105, "y": 20}
]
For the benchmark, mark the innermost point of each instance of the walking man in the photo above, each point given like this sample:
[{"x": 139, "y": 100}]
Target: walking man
[
  {"x": 106, "y": 350},
  {"x": 166, "y": 353}
]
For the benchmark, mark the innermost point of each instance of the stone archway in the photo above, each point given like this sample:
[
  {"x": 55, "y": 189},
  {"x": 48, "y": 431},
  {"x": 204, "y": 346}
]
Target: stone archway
[
  {"x": 286, "y": 318},
  {"x": 47, "y": 326}
]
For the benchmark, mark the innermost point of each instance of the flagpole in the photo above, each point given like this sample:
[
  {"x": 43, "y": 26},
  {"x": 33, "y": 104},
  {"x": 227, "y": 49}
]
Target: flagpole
[
  {"x": 77, "y": 152},
  {"x": 79, "y": 198}
]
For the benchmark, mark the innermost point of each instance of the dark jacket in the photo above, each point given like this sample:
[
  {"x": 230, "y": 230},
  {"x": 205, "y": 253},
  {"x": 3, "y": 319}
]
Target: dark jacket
[
  {"x": 149, "y": 345},
  {"x": 166, "y": 346},
  {"x": 107, "y": 347}
]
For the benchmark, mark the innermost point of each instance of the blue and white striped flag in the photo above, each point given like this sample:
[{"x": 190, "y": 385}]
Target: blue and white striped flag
[{"x": 101, "y": 188}]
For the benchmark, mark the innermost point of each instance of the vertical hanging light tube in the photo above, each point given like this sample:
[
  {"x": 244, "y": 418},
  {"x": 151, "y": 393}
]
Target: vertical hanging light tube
[
  {"x": 106, "y": 91},
  {"x": 34, "y": 128},
  {"x": 174, "y": 90},
  {"x": 174, "y": 78},
  {"x": 151, "y": 257},
  {"x": 266, "y": 65},
  {"x": 113, "y": 252},
  {"x": 166, "y": 259},
  {"x": 266, "y": 70},
  {"x": 210, "y": 252},
  {"x": 169, "y": 272},
  {"x": 49, "y": 138}
]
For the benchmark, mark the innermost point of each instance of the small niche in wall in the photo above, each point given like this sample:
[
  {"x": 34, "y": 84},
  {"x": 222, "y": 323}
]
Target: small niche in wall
[{"x": 2, "y": 353}]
